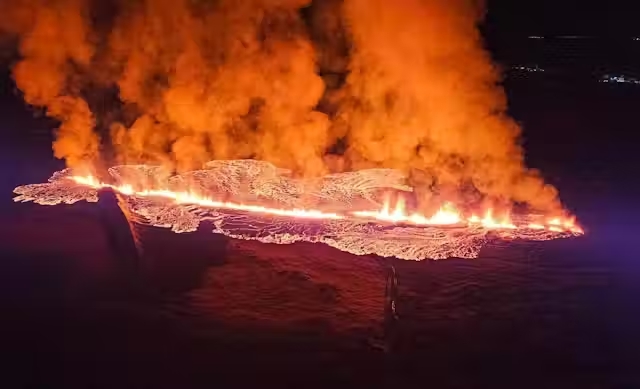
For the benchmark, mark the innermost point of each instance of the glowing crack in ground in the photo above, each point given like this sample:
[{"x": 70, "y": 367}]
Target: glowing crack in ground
[{"x": 289, "y": 209}]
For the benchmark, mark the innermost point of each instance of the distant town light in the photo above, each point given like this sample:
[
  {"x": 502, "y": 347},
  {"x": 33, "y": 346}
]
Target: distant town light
[
  {"x": 620, "y": 79},
  {"x": 529, "y": 69}
]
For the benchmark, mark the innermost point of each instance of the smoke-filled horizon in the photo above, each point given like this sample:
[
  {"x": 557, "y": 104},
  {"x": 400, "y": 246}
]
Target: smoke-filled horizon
[{"x": 312, "y": 86}]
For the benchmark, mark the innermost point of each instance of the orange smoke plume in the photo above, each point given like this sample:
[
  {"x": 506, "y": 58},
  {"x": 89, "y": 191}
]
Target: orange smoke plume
[
  {"x": 228, "y": 80},
  {"x": 312, "y": 86},
  {"x": 422, "y": 94},
  {"x": 54, "y": 44}
]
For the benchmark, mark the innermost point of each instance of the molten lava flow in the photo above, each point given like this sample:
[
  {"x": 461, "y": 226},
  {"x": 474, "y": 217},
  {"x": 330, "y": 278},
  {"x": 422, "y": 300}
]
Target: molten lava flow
[
  {"x": 446, "y": 215},
  {"x": 390, "y": 229},
  {"x": 196, "y": 199},
  {"x": 490, "y": 222},
  {"x": 569, "y": 224}
]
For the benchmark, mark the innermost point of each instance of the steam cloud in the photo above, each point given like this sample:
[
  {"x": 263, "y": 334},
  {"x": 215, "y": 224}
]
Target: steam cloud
[{"x": 313, "y": 86}]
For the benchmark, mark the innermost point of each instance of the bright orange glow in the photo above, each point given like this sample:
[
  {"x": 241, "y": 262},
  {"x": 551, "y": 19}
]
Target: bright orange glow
[
  {"x": 490, "y": 222},
  {"x": 193, "y": 198},
  {"x": 447, "y": 214},
  {"x": 568, "y": 224}
]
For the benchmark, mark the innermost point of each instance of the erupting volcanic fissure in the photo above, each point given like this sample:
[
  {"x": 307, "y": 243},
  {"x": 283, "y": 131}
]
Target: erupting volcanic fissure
[
  {"x": 267, "y": 204},
  {"x": 317, "y": 87},
  {"x": 354, "y": 100}
]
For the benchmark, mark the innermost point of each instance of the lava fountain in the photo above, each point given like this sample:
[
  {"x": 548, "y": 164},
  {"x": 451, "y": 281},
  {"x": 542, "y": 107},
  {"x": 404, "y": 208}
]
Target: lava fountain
[{"x": 254, "y": 200}]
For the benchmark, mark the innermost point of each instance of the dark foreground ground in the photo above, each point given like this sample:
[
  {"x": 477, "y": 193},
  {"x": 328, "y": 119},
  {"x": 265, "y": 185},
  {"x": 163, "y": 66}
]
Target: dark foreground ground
[{"x": 76, "y": 313}]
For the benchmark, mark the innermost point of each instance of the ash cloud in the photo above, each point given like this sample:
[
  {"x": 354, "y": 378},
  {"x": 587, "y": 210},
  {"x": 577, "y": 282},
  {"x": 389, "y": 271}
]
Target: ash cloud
[
  {"x": 313, "y": 86},
  {"x": 423, "y": 95},
  {"x": 54, "y": 45}
]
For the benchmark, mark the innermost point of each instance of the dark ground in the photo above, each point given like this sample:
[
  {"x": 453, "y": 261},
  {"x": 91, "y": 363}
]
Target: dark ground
[{"x": 560, "y": 314}]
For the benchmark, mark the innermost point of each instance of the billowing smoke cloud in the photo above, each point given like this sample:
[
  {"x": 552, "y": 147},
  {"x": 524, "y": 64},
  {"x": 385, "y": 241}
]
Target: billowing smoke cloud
[
  {"x": 222, "y": 80},
  {"x": 55, "y": 45},
  {"x": 311, "y": 86},
  {"x": 422, "y": 95}
]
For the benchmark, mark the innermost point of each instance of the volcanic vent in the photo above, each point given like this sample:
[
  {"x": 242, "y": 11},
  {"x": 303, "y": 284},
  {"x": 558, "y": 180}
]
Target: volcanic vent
[
  {"x": 372, "y": 126},
  {"x": 254, "y": 200}
]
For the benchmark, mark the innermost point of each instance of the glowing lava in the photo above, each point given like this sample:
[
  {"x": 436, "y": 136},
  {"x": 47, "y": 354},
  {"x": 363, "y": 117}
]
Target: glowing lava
[
  {"x": 490, "y": 222},
  {"x": 447, "y": 214},
  {"x": 268, "y": 205},
  {"x": 184, "y": 197}
]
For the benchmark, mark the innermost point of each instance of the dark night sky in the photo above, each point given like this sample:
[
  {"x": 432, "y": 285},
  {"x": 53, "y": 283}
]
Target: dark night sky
[{"x": 560, "y": 17}]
